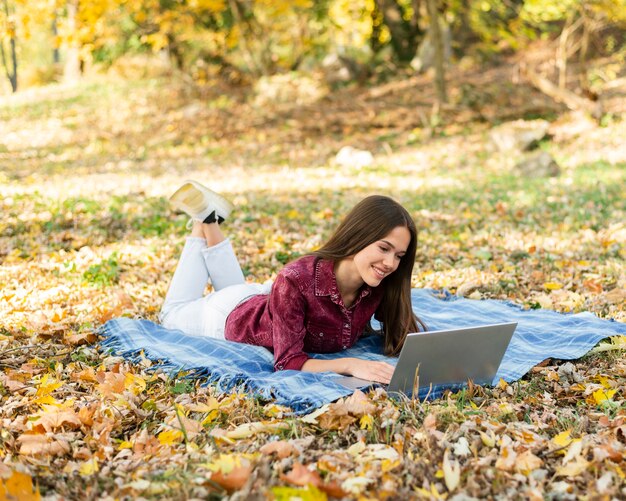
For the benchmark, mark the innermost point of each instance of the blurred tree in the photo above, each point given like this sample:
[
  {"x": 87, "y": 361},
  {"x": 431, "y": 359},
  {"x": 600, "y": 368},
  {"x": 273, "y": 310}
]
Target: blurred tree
[
  {"x": 437, "y": 39},
  {"x": 8, "y": 33},
  {"x": 401, "y": 17},
  {"x": 267, "y": 36}
]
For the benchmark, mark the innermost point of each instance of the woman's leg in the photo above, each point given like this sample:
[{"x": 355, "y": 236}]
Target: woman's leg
[
  {"x": 207, "y": 255},
  {"x": 220, "y": 260},
  {"x": 191, "y": 276}
]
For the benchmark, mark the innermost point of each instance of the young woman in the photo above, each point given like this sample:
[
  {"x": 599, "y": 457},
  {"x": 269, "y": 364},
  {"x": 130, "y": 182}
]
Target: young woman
[{"x": 319, "y": 303}]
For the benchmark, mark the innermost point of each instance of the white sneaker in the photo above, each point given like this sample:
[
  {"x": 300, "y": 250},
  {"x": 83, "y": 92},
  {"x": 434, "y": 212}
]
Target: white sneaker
[{"x": 201, "y": 203}]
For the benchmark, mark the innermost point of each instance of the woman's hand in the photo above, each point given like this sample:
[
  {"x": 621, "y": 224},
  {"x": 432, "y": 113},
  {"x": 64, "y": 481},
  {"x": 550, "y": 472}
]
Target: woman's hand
[{"x": 380, "y": 372}]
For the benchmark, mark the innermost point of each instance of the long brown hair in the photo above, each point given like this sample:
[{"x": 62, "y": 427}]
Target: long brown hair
[{"x": 371, "y": 220}]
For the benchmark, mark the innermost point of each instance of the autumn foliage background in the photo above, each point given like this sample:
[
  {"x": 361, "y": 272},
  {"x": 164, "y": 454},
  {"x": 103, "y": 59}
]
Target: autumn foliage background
[{"x": 107, "y": 106}]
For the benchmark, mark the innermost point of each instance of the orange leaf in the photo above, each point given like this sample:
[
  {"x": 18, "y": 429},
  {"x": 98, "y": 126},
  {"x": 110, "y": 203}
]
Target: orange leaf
[
  {"x": 593, "y": 286},
  {"x": 39, "y": 444},
  {"x": 111, "y": 383},
  {"x": 358, "y": 404},
  {"x": 18, "y": 486},
  {"x": 336, "y": 418},
  {"x": 58, "y": 418},
  {"x": 282, "y": 448},
  {"x": 80, "y": 338},
  {"x": 234, "y": 479},
  {"x": 301, "y": 475}
]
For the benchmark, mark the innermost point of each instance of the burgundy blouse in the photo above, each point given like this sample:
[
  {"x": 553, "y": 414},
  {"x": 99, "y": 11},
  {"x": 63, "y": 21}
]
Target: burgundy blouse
[{"x": 304, "y": 312}]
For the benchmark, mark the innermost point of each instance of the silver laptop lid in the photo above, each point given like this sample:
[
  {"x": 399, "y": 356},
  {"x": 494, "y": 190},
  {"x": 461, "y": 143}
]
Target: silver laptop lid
[{"x": 451, "y": 357}]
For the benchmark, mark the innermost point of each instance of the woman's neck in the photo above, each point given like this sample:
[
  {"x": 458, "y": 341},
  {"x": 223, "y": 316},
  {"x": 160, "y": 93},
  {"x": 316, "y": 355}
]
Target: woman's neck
[{"x": 348, "y": 280}]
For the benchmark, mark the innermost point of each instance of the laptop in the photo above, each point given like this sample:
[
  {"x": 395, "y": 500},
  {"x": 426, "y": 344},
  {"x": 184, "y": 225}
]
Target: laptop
[{"x": 446, "y": 357}]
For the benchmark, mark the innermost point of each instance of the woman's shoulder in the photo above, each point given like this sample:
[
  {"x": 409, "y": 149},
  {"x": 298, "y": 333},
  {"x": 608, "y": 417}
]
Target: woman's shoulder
[{"x": 302, "y": 265}]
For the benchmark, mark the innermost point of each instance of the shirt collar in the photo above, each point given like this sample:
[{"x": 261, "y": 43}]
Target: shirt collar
[{"x": 326, "y": 282}]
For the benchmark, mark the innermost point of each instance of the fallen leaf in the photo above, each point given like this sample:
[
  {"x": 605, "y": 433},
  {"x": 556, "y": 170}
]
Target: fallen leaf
[
  {"x": 301, "y": 475},
  {"x": 19, "y": 486},
  {"x": 248, "y": 429},
  {"x": 310, "y": 493},
  {"x": 42, "y": 445},
  {"x": 80, "y": 338},
  {"x": 336, "y": 418},
  {"x": 312, "y": 418},
  {"x": 281, "y": 448},
  {"x": 602, "y": 395},
  {"x": 358, "y": 404},
  {"x": 616, "y": 296},
  {"x": 573, "y": 468},
  {"x": 111, "y": 384},
  {"x": 451, "y": 472},
  {"x": 230, "y": 471},
  {"x": 53, "y": 419},
  {"x": 563, "y": 439},
  {"x": 552, "y": 286},
  {"x": 356, "y": 485},
  {"x": 170, "y": 437},
  {"x": 506, "y": 460},
  {"x": 89, "y": 467},
  {"x": 526, "y": 462}
]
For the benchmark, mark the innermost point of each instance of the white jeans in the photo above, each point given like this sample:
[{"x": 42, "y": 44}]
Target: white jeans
[{"x": 187, "y": 308}]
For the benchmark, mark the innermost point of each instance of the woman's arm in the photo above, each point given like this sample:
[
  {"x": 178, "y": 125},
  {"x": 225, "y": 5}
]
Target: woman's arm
[{"x": 364, "y": 369}]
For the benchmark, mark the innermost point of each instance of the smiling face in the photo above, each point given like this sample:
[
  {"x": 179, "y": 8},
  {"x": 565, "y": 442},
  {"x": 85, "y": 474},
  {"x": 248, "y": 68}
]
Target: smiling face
[{"x": 381, "y": 258}]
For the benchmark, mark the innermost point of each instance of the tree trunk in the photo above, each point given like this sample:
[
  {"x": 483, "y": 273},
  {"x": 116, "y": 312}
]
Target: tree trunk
[
  {"x": 440, "y": 77},
  {"x": 71, "y": 71},
  {"x": 10, "y": 67},
  {"x": 56, "y": 56},
  {"x": 405, "y": 34}
]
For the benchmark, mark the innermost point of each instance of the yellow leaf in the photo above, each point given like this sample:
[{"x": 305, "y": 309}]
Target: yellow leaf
[
  {"x": 431, "y": 493},
  {"x": 126, "y": 444},
  {"x": 134, "y": 383},
  {"x": 366, "y": 422},
  {"x": 526, "y": 462},
  {"x": 19, "y": 486},
  {"x": 46, "y": 400},
  {"x": 616, "y": 343},
  {"x": 356, "y": 448},
  {"x": 502, "y": 384},
  {"x": 226, "y": 463},
  {"x": 618, "y": 471},
  {"x": 356, "y": 485},
  {"x": 211, "y": 416},
  {"x": 573, "y": 468},
  {"x": 389, "y": 464},
  {"x": 47, "y": 385},
  {"x": 451, "y": 472},
  {"x": 602, "y": 395},
  {"x": 170, "y": 437},
  {"x": 273, "y": 410},
  {"x": 488, "y": 440},
  {"x": 563, "y": 439},
  {"x": 552, "y": 286},
  {"x": 248, "y": 429},
  {"x": 89, "y": 467},
  {"x": 605, "y": 381}
]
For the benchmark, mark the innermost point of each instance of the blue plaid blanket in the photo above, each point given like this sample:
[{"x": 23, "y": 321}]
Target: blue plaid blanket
[{"x": 540, "y": 334}]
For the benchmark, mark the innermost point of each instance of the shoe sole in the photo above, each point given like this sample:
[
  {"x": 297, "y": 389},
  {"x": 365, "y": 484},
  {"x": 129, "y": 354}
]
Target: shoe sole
[{"x": 193, "y": 197}]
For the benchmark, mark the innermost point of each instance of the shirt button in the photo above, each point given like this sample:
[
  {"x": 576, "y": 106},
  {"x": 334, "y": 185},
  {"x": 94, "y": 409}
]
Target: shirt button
[
  {"x": 321, "y": 334},
  {"x": 280, "y": 367},
  {"x": 344, "y": 347},
  {"x": 346, "y": 325}
]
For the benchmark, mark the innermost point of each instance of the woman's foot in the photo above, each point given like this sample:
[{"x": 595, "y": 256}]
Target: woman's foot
[{"x": 201, "y": 203}]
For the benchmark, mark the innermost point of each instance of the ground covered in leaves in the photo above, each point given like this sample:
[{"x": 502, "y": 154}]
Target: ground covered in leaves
[{"x": 87, "y": 235}]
